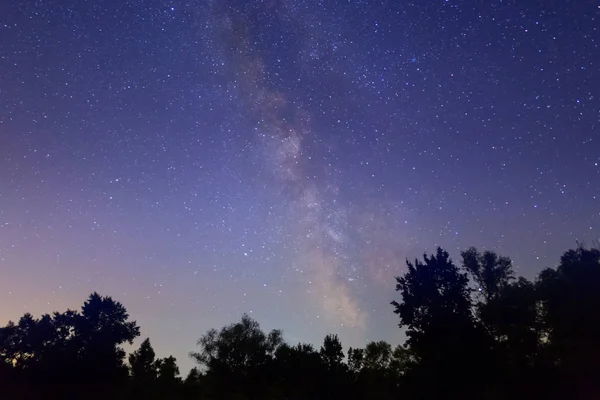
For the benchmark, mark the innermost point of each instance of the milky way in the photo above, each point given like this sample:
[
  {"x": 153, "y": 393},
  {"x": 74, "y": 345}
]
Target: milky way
[{"x": 198, "y": 160}]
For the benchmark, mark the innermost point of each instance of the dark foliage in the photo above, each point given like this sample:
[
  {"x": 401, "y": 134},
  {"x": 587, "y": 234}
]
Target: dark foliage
[
  {"x": 70, "y": 352},
  {"x": 443, "y": 335},
  {"x": 474, "y": 331}
]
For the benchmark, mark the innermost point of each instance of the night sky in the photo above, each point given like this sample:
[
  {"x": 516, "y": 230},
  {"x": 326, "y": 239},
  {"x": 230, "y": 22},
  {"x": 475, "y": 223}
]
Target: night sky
[{"x": 197, "y": 160}]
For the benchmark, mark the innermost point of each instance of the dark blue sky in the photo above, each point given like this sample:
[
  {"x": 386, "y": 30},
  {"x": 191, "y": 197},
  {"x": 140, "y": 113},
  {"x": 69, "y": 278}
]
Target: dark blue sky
[{"x": 197, "y": 160}]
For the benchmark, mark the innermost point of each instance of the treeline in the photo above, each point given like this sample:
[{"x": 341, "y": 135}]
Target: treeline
[{"x": 474, "y": 331}]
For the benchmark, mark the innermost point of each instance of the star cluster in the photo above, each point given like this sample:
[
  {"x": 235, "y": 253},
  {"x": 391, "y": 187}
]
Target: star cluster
[{"x": 197, "y": 160}]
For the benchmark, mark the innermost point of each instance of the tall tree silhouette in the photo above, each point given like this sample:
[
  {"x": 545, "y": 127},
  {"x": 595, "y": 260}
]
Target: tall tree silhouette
[
  {"x": 355, "y": 359},
  {"x": 435, "y": 295},
  {"x": 508, "y": 310},
  {"x": 194, "y": 385},
  {"x": 144, "y": 371},
  {"x": 570, "y": 297},
  {"x": 168, "y": 382},
  {"x": 506, "y": 306},
  {"x": 168, "y": 371},
  {"x": 99, "y": 332},
  {"x": 332, "y": 352},
  {"x": 143, "y": 363},
  {"x": 442, "y": 334},
  {"x": 335, "y": 377}
]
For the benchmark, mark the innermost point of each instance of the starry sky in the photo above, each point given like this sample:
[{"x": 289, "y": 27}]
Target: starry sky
[{"x": 200, "y": 159}]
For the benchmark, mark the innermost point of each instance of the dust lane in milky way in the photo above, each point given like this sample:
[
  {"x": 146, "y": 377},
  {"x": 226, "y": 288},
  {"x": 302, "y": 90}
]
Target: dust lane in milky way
[{"x": 283, "y": 127}]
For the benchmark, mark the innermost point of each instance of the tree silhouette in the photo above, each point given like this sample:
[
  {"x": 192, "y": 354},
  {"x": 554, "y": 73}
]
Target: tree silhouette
[
  {"x": 508, "y": 310},
  {"x": 401, "y": 361},
  {"x": 355, "y": 359},
  {"x": 299, "y": 371},
  {"x": 377, "y": 355},
  {"x": 237, "y": 357},
  {"x": 168, "y": 382},
  {"x": 474, "y": 332},
  {"x": 238, "y": 347},
  {"x": 570, "y": 298},
  {"x": 143, "y": 363},
  {"x": 335, "y": 376},
  {"x": 193, "y": 377},
  {"x": 78, "y": 350},
  {"x": 435, "y": 295},
  {"x": 168, "y": 371},
  {"x": 442, "y": 334},
  {"x": 332, "y": 352},
  {"x": 144, "y": 371},
  {"x": 193, "y": 386},
  {"x": 99, "y": 331},
  {"x": 377, "y": 370},
  {"x": 491, "y": 273}
]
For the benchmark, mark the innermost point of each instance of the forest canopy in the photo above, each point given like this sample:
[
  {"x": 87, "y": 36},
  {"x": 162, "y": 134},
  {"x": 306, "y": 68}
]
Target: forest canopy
[{"x": 474, "y": 330}]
